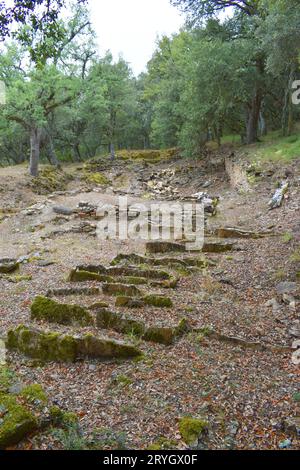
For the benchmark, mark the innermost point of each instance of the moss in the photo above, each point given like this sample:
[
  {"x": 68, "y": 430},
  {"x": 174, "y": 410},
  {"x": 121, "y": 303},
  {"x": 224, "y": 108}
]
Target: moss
[
  {"x": 120, "y": 289},
  {"x": 119, "y": 323},
  {"x": 131, "y": 280},
  {"x": 123, "y": 380},
  {"x": 83, "y": 276},
  {"x": 33, "y": 393},
  {"x": 62, "y": 418},
  {"x": 93, "y": 347},
  {"x": 43, "y": 346},
  {"x": 8, "y": 266},
  {"x": 191, "y": 429},
  {"x": 97, "y": 178},
  {"x": 49, "y": 180},
  {"x": 163, "y": 444},
  {"x": 158, "y": 301},
  {"x": 296, "y": 397},
  {"x": 160, "y": 335},
  {"x": 148, "y": 155},
  {"x": 182, "y": 328},
  {"x": 164, "y": 247},
  {"x": 142, "y": 271},
  {"x": 129, "y": 302},
  {"x": 17, "y": 279},
  {"x": 98, "y": 305},
  {"x": 16, "y": 423},
  {"x": 46, "y": 309},
  {"x": 6, "y": 378},
  {"x": 217, "y": 247}
]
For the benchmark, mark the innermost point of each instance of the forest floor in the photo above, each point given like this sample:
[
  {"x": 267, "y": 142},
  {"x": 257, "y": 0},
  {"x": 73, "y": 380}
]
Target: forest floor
[{"x": 248, "y": 396}]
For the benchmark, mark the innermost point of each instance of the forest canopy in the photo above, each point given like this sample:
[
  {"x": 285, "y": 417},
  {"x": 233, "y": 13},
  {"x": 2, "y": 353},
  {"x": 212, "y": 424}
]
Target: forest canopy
[{"x": 230, "y": 70}]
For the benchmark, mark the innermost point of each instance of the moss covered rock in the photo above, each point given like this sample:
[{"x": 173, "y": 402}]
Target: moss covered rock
[
  {"x": 98, "y": 348},
  {"x": 121, "y": 289},
  {"x": 217, "y": 247},
  {"x": 58, "y": 348},
  {"x": 133, "y": 281},
  {"x": 97, "y": 179},
  {"x": 98, "y": 305},
  {"x": 49, "y": 180},
  {"x": 34, "y": 393},
  {"x": 160, "y": 335},
  {"x": 158, "y": 301},
  {"x": 120, "y": 323},
  {"x": 16, "y": 421},
  {"x": 163, "y": 444},
  {"x": 183, "y": 328},
  {"x": 129, "y": 302},
  {"x": 191, "y": 429},
  {"x": 164, "y": 247},
  {"x": 140, "y": 272},
  {"x": 84, "y": 276},
  {"x": 8, "y": 265},
  {"x": 46, "y": 309},
  {"x": 153, "y": 156},
  {"x": 41, "y": 345}
]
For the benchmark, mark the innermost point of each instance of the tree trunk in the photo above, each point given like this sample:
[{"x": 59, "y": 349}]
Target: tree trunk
[
  {"x": 262, "y": 125},
  {"x": 51, "y": 152},
  {"x": 112, "y": 151},
  {"x": 288, "y": 111},
  {"x": 35, "y": 143},
  {"x": 76, "y": 152},
  {"x": 253, "y": 118}
]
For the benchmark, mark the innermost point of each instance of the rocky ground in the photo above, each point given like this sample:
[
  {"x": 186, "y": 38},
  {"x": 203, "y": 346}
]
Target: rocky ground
[{"x": 235, "y": 369}]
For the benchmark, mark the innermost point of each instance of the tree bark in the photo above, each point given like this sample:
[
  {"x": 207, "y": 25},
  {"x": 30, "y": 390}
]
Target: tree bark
[
  {"x": 253, "y": 118},
  {"x": 112, "y": 151},
  {"x": 51, "y": 152},
  {"x": 288, "y": 111},
  {"x": 35, "y": 144}
]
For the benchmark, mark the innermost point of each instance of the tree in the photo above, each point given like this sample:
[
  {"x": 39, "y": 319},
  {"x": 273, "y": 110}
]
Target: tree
[
  {"x": 280, "y": 36},
  {"x": 199, "y": 9},
  {"x": 41, "y": 87},
  {"x": 41, "y": 18},
  {"x": 245, "y": 10}
]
